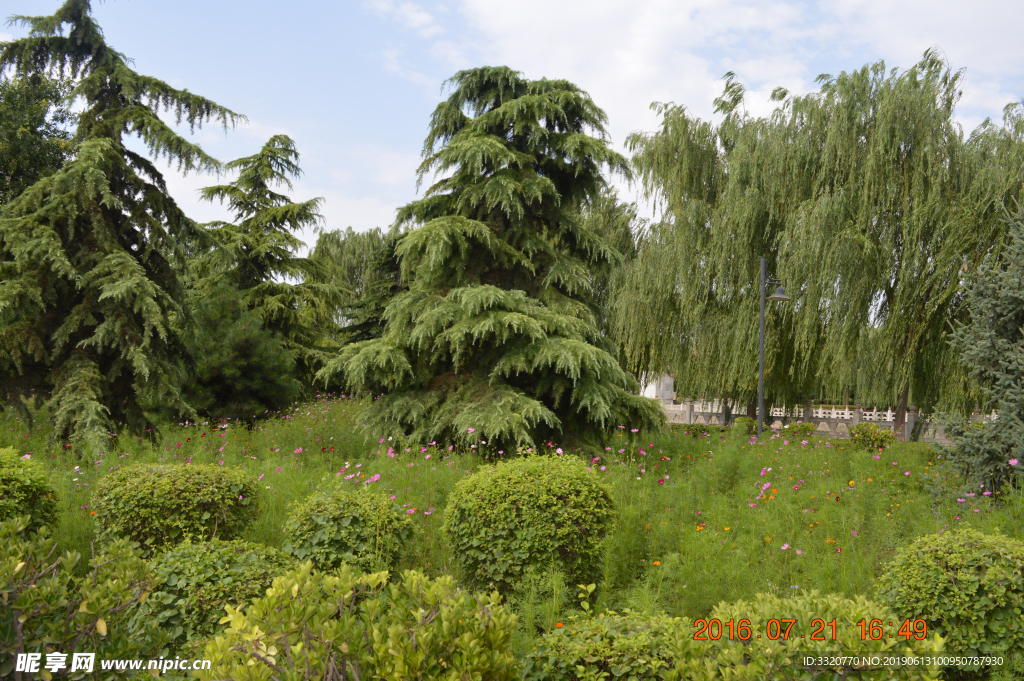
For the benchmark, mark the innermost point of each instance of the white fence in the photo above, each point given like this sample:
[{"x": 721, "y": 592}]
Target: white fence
[{"x": 831, "y": 420}]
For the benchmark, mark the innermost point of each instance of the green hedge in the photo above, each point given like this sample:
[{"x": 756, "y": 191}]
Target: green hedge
[
  {"x": 967, "y": 585},
  {"x": 341, "y": 625},
  {"x": 798, "y": 429},
  {"x": 48, "y": 605},
  {"x": 613, "y": 645},
  {"x": 868, "y": 435},
  {"x": 194, "y": 582},
  {"x": 336, "y": 525},
  {"x": 162, "y": 505},
  {"x": 626, "y": 646},
  {"x": 528, "y": 514},
  {"x": 25, "y": 490}
]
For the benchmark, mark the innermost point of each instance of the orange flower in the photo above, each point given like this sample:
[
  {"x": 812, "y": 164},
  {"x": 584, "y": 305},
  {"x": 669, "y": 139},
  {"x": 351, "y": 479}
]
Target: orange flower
[
  {"x": 657, "y": 562},
  {"x": 774, "y": 491},
  {"x": 559, "y": 625},
  {"x": 92, "y": 512}
]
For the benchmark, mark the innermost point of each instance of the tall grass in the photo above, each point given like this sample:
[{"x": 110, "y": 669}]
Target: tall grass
[{"x": 694, "y": 526}]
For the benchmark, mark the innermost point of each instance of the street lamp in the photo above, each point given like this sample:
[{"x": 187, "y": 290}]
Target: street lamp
[{"x": 780, "y": 296}]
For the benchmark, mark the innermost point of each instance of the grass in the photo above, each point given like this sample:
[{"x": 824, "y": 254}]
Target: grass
[{"x": 696, "y": 524}]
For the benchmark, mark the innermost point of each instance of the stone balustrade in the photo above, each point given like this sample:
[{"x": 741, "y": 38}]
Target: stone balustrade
[{"x": 831, "y": 421}]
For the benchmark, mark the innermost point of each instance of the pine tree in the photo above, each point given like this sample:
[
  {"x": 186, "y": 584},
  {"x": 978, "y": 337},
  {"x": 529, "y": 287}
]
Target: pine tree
[
  {"x": 90, "y": 307},
  {"x": 242, "y": 370},
  {"x": 991, "y": 345},
  {"x": 258, "y": 253},
  {"x": 496, "y": 338}
]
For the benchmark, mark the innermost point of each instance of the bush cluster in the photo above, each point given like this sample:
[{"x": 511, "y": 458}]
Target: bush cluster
[
  {"x": 51, "y": 607},
  {"x": 528, "y": 515},
  {"x": 25, "y": 490},
  {"x": 610, "y": 646},
  {"x": 968, "y": 586},
  {"x": 868, "y": 435},
  {"x": 194, "y": 582},
  {"x": 336, "y": 525},
  {"x": 799, "y": 429},
  {"x": 162, "y": 505},
  {"x": 340, "y": 625}
]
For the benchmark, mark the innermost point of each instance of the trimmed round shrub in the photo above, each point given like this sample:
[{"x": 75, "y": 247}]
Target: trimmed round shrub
[
  {"x": 967, "y": 585},
  {"x": 362, "y": 528},
  {"x": 25, "y": 490},
  {"x": 350, "y": 627},
  {"x": 194, "y": 582},
  {"x": 868, "y": 435},
  {"x": 528, "y": 514},
  {"x": 614, "y": 645},
  {"x": 162, "y": 505}
]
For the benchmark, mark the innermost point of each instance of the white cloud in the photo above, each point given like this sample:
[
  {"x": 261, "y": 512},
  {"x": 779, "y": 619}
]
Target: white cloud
[
  {"x": 409, "y": 15},
  {"x": 6, "y": 37},
  {"x": 393, "y": 64},
  {"x": 627, "y": 55}
]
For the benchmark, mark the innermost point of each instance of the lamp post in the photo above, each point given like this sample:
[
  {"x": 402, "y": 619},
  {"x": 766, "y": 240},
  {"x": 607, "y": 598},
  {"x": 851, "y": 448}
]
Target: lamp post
[{"x": 780, "y": 296}]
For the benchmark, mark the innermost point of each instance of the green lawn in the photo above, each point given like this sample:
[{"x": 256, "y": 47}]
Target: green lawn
[{"x": 696, "y": 524}]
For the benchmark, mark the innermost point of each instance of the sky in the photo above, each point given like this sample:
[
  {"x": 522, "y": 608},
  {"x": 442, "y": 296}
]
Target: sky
[{"x": 354, "y": 82}]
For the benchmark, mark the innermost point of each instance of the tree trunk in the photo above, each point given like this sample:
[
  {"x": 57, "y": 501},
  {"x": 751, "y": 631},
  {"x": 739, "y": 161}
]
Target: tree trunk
[
  {"x": 752, "y": 408},
  {"x": 901, "y": 414}
]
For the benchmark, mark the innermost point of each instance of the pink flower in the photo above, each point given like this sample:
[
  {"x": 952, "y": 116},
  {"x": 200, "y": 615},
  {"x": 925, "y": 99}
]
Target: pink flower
[
  {"x": 799, "y": 552},
  {"x": 661, "y": 482},
  {"x": 876, "y": 456},
  {"x": 558, "y": 451},
  {"x": 427, "y": 456},
  {"x": 602, "y": 467},
  {"x": 470, "y": 430},
  {"x": 796, "y": 487},
  {"x": 853, "y": 533},
  {"x": 784, "y": 547},
  {"x": 451, "y": 447},
  {"x": 220, "y": 463},
  {"x": 785, "y": 442},
  {"x": 635, "y": 430},
  {"x": 380, "y": 441},
  {"x": 411, "y": 511},
  {"x": 1013, "y": 462},
  {"x": 277, "y": 470},
  {"x": 906, "y": 472}
]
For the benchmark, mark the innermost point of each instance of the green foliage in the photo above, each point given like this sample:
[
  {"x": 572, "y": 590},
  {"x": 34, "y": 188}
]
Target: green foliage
[
  {"x": 868, "y": 435},
  {"x": 49, "y": 608},
  {"x": 33, "y": 140},
  {"x": 700, "y": 429},
  {"x": 610, "y": 646},
  {"x": 366, "y": 267},
  {"x": 798, "y": 429},
  {"x": 314, "y": 625},
  {"x": 968, "y": 586},
  {"x": 497, "y": 334},
  {"x": 745, "y": 425},
  {"x": 362, "y": 528},
  {"x": 25, "y": 490},
  {"x": 991, "y": 345},
  {"x": 866, "y": 193},
  {"x": 524, "y": 515},
  {"x": 91, "y": 307},
  {"x": 242, "y": 370},
  {"x": 192, "y": 583},
  {"x": 766, "y": 659},
  {"x": 257, "y": 254},
  {"x": 165, "y": 504}
]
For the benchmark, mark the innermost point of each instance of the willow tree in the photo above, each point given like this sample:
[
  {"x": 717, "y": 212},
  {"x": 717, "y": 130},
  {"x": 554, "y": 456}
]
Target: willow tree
[
  {"x": 865, "y": 197},
  {"x": 90, "y": 306},
  {"x": 497, "y": 337},
  {"x": 364, "y": 265},
  {"x": 258, "y": 253}
]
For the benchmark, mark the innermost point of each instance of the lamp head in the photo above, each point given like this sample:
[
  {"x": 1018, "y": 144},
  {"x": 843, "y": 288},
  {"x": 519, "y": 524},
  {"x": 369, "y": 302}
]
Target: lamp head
[{"x": 779, "y": 295}]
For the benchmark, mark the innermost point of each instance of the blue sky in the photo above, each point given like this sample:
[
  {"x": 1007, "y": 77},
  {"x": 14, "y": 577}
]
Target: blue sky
[{"x": 354, "y": 83}]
